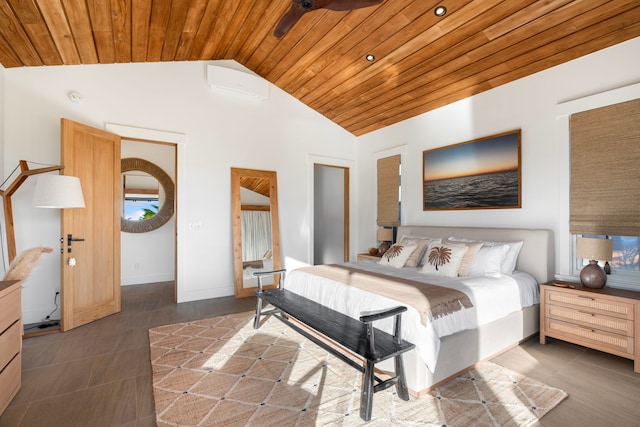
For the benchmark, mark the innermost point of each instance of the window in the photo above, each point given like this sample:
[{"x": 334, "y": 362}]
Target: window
[
  {"x": 605, "y": 195},
  {"x": 626, "y": 256}
]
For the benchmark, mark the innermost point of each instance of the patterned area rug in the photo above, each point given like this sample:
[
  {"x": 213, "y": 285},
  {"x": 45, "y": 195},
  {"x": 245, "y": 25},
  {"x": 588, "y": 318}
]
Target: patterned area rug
[{"x": 222, "y": 372}]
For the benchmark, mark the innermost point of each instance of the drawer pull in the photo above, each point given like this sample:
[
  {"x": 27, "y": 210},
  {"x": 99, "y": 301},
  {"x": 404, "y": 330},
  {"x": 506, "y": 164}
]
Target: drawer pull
[
  {"x": 588, "y": 329},
  {"x": 586, "y": 312},
  {"x": 583, "y": 297}
]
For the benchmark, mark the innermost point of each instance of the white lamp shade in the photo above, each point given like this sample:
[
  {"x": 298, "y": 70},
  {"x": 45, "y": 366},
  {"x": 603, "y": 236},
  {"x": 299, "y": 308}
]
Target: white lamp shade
[
  {"x": 596, "y": 249},
  {"x": 58, "y": 191}
]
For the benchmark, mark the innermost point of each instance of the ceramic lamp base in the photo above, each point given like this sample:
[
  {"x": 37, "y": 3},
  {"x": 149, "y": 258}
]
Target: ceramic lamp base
[{"x": 592, "y": 276}]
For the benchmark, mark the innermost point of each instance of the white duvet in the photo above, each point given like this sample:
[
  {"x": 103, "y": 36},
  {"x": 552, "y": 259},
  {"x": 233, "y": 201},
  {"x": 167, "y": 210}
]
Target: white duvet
[{"x": 492, "y": 298}]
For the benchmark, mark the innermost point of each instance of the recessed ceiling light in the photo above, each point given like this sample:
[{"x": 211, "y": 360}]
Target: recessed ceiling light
[
  {"x": 440, "y": 11},
  {"x": 370, "y": 57}
]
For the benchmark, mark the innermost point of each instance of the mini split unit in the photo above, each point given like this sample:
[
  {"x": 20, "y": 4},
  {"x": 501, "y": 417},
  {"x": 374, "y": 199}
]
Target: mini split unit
[{"x": 238, "y": 82}]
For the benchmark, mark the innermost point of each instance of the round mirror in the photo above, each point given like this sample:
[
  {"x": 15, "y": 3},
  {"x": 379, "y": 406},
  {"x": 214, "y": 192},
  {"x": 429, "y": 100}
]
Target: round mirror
[{"x": 145, "y": 182}]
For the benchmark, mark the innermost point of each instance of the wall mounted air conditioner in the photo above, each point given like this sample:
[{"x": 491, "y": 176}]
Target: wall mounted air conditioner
[{"x": 235, "y": 81}]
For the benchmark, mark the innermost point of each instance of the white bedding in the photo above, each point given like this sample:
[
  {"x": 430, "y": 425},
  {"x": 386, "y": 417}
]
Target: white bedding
[
  {"x": 247, "y": 273},
  {"x": 492, "y": 298}
]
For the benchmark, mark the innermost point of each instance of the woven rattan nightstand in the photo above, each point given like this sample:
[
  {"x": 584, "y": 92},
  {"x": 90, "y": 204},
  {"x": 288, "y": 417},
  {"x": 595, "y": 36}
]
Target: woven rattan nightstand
[{"x": 604, "y": 319}]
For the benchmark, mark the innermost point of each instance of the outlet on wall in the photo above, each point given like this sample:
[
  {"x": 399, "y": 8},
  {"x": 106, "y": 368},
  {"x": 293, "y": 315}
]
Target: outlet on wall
[{"x": 136, "y": 266}]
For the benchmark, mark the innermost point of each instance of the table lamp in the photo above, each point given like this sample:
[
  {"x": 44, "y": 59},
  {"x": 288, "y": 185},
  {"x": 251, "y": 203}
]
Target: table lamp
[{"x": 593, "y": 249}]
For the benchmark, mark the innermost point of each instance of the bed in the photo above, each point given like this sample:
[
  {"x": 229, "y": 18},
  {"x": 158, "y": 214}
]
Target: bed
[
  {"x": 256, "y": 266},
  {"x": 504, "y": 308}
]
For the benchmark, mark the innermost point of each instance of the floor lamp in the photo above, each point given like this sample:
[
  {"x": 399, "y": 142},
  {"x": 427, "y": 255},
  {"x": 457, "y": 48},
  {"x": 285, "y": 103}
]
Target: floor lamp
[{"x": 52, "y": 191}]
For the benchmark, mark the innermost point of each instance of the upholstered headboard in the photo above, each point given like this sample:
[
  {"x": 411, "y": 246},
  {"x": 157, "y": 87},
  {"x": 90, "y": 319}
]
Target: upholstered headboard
[{"x": 537, "y": 256}]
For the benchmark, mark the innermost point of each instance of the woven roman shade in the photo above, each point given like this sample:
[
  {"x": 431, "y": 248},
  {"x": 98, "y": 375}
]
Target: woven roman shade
[
  {"x": 388, "y": 191},
  {"x": 605, "y": 170}
]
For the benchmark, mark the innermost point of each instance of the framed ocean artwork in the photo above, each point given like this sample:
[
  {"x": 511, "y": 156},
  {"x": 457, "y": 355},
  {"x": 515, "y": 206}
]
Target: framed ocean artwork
[{"x": 484, "y": 173}]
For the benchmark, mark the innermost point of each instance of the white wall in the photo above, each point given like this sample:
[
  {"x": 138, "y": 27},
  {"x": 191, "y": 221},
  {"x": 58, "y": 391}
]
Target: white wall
[
  {"x": 222, "y": 131},
  {"x": 531, "y": 104},
  {"x": 149, "y": 257}
]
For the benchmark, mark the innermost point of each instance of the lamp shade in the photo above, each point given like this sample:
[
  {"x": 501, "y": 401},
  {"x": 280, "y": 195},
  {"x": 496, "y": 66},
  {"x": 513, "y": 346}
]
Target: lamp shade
[
  {"x": 596, "y": 249},
  {"x": 385, "y": 234},
  {"x": 58, "y": 191}
]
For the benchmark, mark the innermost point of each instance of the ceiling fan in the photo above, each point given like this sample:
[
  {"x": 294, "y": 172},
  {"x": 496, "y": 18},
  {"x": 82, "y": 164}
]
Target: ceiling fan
[{"x": 300, "y": 7}]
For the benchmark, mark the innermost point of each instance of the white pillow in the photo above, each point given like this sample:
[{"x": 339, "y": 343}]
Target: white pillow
[
  {"x": 489, "y": 261},
  {"x": 444, "y": 259},
  {"x": 397, "y": 255},
  {"x": 511, "y": 257}
]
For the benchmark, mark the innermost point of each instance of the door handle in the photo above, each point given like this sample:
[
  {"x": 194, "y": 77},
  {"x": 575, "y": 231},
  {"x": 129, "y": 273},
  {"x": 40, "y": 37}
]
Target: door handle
[{"x": 70, "y": 239}]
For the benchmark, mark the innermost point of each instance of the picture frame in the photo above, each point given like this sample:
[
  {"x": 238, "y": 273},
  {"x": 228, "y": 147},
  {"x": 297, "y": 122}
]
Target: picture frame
[{"x": 483, "y": 173}]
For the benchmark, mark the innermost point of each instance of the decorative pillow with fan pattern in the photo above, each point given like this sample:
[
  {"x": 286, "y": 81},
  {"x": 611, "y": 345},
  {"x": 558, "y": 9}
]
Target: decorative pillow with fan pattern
[{"x": 397, "y": 255}]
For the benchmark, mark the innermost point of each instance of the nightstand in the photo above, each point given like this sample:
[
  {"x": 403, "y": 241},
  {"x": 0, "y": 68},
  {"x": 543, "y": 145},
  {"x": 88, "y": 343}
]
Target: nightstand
[
  {"x": 367, "y": 257},
  {"x": 606, "y": 319},
  {"x": 10, "y": 341}
]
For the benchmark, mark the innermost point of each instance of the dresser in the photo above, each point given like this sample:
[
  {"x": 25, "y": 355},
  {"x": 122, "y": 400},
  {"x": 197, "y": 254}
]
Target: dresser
[
  {"x": 604, "y": 319},
  {"x": 10, "y": 341}
]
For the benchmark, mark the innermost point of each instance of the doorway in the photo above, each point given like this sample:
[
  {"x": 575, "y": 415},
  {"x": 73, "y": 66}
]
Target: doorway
[
  {"x": 147, "y": 256},
  {"x": 330, "y": 214}
]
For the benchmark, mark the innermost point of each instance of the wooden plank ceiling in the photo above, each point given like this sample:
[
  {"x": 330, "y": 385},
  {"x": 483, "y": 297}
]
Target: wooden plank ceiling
[{"x": 422, "y": 61}]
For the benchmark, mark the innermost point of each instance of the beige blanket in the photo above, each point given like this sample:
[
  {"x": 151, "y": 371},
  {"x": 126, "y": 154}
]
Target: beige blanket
[{"x": 431, "y": 301}]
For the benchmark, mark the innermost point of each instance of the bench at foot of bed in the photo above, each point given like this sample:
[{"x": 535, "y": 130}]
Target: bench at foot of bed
[{"x": 357, "y": 336}]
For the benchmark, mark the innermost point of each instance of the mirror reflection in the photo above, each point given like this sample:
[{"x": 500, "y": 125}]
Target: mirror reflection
[
  {"x": 255, "y": 228},
  {"x": 142, "y": 196}
]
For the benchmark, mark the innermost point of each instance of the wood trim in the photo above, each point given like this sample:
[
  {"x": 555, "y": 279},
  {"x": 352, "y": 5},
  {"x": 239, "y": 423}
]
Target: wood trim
[{"x": 255, "y": 208}]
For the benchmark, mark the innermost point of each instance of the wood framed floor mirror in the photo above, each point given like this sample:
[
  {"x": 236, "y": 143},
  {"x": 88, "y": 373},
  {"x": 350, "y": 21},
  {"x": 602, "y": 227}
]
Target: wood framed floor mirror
[{"x": 256, "y": 233}]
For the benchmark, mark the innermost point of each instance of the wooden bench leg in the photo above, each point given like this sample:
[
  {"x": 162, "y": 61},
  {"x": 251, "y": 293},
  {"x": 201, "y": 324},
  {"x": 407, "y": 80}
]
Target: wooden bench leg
[
  {"x": 401, "y": 385},
  {"x": 366, "y": 399}
]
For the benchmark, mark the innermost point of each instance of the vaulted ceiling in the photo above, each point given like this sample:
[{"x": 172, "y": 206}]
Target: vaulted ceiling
[{"x": 422, "y": 61}]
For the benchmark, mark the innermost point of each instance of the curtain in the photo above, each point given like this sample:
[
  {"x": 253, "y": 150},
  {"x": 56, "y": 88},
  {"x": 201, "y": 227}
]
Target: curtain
[
  {"x": 605, "y": 170},
  {"x": 256, "y": 234},
  {"x": 388, "y": 191}
]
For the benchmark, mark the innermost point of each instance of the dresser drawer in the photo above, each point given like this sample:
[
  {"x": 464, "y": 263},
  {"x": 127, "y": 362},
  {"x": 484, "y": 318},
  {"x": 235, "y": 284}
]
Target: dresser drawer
[
  {"x": 592, "y": 303},
  {"x": 10, "y": 343},
  {"x": 591, "y": 337},
  {"x": 588, "y": 319},
  {"x": 11, "y": 309},
  {"x": 9, "y": 382}
]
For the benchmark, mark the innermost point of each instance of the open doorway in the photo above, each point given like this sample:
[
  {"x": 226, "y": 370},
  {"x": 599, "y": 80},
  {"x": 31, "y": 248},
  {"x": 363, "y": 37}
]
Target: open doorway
[
  {"x": 330, "y": 214},
  {"x": 147, "y": 256}
]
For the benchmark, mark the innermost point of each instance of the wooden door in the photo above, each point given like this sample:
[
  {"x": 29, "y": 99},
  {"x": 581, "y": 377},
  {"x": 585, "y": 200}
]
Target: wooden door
[{"x": 90, "y": 289}]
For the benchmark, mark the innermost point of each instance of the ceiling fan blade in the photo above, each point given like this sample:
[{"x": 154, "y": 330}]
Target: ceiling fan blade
[
  {"x": 288, "y": 20},
  {"x": 341, "y": 5},
  {"x": 300, "y": 7}
]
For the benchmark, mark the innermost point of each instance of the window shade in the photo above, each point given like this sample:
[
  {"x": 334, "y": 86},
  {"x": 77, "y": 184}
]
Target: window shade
[
  {"x": 605, "y": 170},
  {"x": 388, "y": 191}
]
